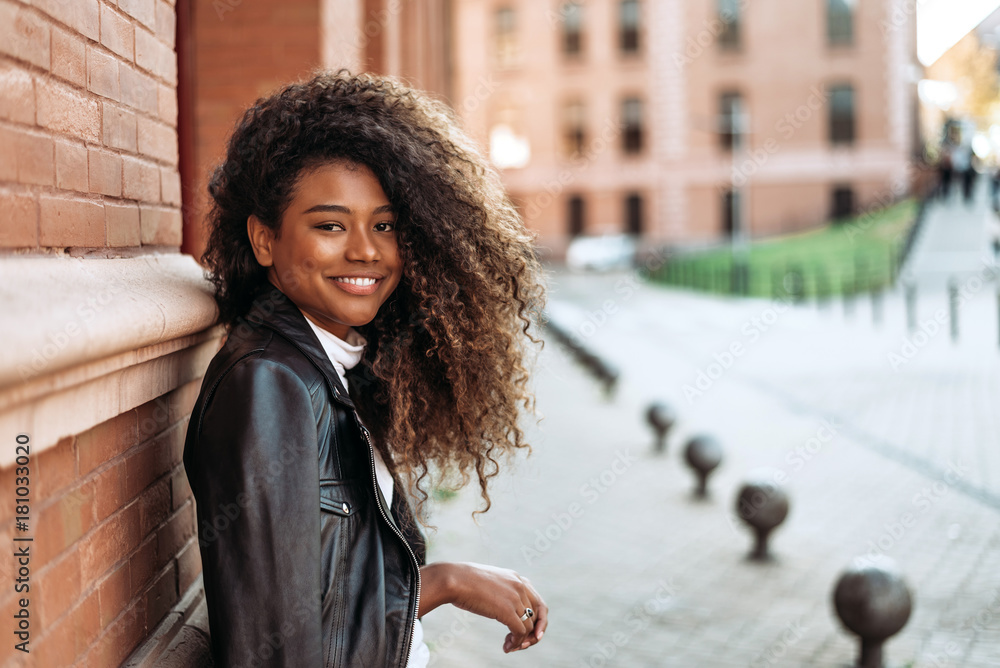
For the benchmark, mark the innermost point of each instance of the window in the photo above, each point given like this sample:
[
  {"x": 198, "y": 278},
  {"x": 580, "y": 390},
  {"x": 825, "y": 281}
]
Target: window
[
  {"x": 628, "y": 19},
  {"x": 840, "y": 22},
  {"x": 576, "y": 215},
  {"x": 731, "y": 121},
  {"x": 633, "y": 214},
  {"x": 632, "y": 122},
  {"x": 574, "y": 132},
  {"x": 842, "y": 130},
  {"x": 842, "y": 205},
  {"x": 506, "y": 37},
  {"x": 572, "y": 25},
  {"x": 729, "y": 15},
  {"x": 731, "y": 212}
]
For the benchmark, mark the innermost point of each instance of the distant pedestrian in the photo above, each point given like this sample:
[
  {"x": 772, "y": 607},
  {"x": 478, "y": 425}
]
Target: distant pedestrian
[
  {"x": 945, "y": 171},
  {"x": 961, "y": 164}
]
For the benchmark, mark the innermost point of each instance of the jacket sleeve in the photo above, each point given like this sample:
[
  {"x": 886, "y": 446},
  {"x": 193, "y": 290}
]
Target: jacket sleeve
[{"x": 255, "y": 474}]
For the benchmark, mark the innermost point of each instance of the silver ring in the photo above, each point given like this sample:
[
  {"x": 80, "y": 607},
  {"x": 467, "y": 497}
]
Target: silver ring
[{"x": 528, "y": 614}]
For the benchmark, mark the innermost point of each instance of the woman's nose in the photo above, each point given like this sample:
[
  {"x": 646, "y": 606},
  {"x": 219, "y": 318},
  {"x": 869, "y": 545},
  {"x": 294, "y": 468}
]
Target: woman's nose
[{"x": 361, "y": 246}]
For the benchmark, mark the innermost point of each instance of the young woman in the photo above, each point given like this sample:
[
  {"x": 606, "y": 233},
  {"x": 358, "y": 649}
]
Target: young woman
[{"x": 378, "y": 289}]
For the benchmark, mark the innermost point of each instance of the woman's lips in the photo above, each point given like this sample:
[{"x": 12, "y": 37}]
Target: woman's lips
[{"x": 361, "y": 286}]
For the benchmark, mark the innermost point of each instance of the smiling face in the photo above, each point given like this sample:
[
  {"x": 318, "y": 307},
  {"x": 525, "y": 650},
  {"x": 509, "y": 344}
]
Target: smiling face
[{"x": 335, "y": 254}]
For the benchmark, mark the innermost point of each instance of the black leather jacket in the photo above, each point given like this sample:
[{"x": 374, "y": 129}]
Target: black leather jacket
[{"x": 304, "y": 565}]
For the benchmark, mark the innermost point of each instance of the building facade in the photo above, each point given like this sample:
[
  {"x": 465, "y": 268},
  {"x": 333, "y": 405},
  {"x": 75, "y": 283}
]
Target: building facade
[{"x": 689, "y": 121}]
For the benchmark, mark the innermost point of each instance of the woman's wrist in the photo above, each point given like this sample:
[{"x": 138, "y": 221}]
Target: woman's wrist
[{"x": 437, "y": 585}]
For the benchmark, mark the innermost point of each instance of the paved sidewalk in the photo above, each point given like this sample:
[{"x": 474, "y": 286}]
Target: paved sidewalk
[
  {"x": 955, "y": 238},
  {"x": 637, "y": 573}
]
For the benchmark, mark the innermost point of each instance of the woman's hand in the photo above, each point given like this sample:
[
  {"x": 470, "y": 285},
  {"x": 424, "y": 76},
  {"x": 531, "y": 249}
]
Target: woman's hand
[{"x": 488, "y": 591}]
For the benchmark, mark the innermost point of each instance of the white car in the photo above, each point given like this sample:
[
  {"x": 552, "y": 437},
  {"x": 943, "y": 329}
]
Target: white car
[{"x": 604, "y": 253}]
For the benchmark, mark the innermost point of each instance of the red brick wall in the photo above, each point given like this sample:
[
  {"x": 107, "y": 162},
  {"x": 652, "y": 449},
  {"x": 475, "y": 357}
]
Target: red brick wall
[
  {"x": 240, "y": 51},
  {"x": 114, "y": 536},
  {"x": 88, "y": 124}
]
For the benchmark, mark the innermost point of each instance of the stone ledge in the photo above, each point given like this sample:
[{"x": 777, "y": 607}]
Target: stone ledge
[
  {"x": 86, "y": 340},
  {"x": 181, "y": 640}
]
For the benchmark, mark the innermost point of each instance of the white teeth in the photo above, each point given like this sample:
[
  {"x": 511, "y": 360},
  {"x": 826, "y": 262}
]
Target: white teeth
[{"x": 364, "y": 282}]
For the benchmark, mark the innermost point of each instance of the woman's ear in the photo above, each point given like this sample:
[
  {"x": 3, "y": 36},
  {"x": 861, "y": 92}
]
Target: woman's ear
[{"x": 261, "y": 238}]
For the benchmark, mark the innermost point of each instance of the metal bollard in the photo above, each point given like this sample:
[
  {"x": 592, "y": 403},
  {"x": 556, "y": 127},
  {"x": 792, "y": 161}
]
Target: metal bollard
[
  {"x": 874, "y": 602},
  {"x": 763, "y": 504},
  {"x": 703, "y": 454},
  {"x": 661, "y": 418},
  {"x": 911, "y": 307},
  {"x": 953, "y": 308},
  {"x": 877, "y": 306}
]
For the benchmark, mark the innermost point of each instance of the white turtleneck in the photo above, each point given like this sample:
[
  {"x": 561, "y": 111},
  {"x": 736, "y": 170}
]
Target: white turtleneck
[{"x": 345, "y": 355}]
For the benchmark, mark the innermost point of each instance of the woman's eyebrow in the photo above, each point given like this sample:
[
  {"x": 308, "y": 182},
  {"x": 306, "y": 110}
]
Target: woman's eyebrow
[{"x": 340, "y": 208}]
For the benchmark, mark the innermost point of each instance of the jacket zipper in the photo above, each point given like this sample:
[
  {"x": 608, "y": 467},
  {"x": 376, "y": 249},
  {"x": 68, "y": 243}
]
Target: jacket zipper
[{"x": 416, "y": 564}]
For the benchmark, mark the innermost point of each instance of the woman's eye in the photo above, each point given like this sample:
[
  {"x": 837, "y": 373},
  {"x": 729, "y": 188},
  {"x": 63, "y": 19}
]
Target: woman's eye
[
  {"x": 330, "y": 226},
  {"x": 385, "y": 227}
]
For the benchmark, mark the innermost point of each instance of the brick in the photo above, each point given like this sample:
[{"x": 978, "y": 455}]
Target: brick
[
  {"x": 142, "y": 566},
  {"x": 86, "y": 620},
  {"x": 110, "y": 543},
  {"x": 162, "y": 595},
  {"x": 62, "y": 109},
  {"x": 105, "y": 172},
  {"x": 122, "y": 221},
  {"x": 24, "y": 35},
  {"x": 167, "y": 99},
  {"x": 71, "y": 166},
  {"x": 119, "y": 127},
  {"x": 102, "y": 74},
  {"x": 153, "y": 418},
  {"x": 109, "y": 491},
  {"x": 20, "y": 229},
  {"x": 178, "y": 530},
  {"x": 157, "y": 140},
  {"x": 8, "y": 154},
  {"x": 56, "y": 468},
  {"x": 180, "y": 488},
  {"x": 188, "y": 565},
  {"x": 160, "y": 226},
  {"x": 36, "y": 161},
  {"x": 146, "y": 463},
  {"x": 170, "y": 185},
  {"x": 154, "y": 507},
  {"x": 56, "y": 648},
  {"x": 66, "y": 222},
  {"x": 166, "y": 23},
  {"x": 117, "y": 33},
  {"x": 69, "y": 57},
  {"x": 139, "y": 91},
  {"x": 17, "y": 103},
  {"x": 62, "y": 523},
  {"x": 106, "y": 441},
  {"x": 140, "y": 180},
  {"x": 82, "y": 16},
  {"x": 115, "y": 593},
  {"x": 58, "y": 588},
  {"x": 147, "y": 51},
  {"x": 143, "y": 11}
]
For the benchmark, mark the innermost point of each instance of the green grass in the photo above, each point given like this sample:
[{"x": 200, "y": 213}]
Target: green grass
[{"x": 854, "y": 255}]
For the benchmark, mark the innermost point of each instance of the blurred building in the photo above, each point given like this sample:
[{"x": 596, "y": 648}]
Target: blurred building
[{"x": 689, "y": 121}]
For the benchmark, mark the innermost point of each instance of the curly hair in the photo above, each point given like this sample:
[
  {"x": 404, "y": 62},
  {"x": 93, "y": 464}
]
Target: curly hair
[{"x": 445, "y": 372}]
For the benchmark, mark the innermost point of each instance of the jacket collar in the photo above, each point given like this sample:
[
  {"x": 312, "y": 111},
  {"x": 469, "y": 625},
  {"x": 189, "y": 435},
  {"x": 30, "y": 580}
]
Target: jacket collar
[{"x": 274, "y": 310}]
